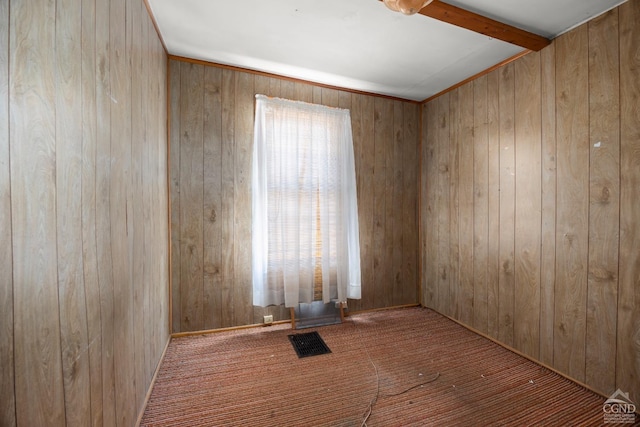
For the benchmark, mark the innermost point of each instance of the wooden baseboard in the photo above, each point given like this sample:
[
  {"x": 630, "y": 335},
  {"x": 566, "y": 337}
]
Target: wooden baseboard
[
  {"x": 279, "y": 322},
  {"x": 372, "y": 310},
  {"x": 153, "y": 381},
  {"x": 231, "y": 328}
]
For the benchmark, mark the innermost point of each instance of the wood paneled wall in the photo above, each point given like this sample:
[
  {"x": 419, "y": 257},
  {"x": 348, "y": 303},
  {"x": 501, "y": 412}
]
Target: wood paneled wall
[
  {"x": 531, "y": 201},
  {"x": 211, "y": 147},
  {"x": 83, "y": 211}
]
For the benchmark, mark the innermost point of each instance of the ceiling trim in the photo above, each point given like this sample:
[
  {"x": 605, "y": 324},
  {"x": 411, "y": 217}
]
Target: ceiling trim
[
  {"x": 291, "y": 79},
  {"x": 480, "y": 24},
  {"x": 475, "y": 76}
]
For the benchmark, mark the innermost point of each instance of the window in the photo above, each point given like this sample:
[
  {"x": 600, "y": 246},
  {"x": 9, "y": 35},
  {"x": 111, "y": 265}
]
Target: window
[{"x": 305, "y": 224}]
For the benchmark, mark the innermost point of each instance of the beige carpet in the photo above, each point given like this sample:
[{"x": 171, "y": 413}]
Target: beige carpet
[{"x": 416, "y": 367}]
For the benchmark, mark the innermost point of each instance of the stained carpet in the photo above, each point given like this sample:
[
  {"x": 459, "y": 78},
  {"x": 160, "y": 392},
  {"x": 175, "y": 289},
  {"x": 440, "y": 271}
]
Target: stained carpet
[{"x": 416, "y": 366}]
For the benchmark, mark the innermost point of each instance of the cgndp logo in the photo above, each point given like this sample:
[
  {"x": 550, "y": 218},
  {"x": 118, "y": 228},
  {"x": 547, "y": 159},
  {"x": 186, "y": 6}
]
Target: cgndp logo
[{"x": 618, "y": 408}]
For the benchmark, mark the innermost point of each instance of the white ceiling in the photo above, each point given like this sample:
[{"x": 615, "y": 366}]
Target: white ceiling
[{"x": 357, "y": 44}]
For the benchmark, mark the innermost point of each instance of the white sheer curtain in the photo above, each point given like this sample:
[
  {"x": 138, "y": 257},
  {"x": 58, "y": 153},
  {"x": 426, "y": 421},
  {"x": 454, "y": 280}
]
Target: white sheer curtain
[{"x": 305, "y": 213}]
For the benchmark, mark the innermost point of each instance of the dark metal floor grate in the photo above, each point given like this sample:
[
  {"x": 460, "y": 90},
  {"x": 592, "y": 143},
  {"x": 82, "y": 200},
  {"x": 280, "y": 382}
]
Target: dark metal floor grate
[{"x": 308, "y": 344}]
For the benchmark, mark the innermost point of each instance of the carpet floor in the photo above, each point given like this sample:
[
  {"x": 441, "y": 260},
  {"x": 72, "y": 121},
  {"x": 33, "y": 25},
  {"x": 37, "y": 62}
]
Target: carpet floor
[{"x": 405, "y": 367}]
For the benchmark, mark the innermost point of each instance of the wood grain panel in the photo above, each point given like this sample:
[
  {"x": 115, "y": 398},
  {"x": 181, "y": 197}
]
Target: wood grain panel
[
  {"x": 442, "y": 217},
  {"x": 573, "y": 202},
  {"x": 526, "y": 334},
  {"x": 454, "y": 208},
  {"x": 411, "y": 178},
  {"x": 303, "y": 92},
  {"x": 366, "y": 209},
  {"x": 344, "y": 98},
  {"x": 506, "y": 278},
  {"x": 39, "y": 391},
  {"x": 242, "y": 198},
  {"x": 548, "y": 203},
  {"x": 212, "y": 226},
  {"x": 465, "y": 200},
  {"x": 78, "y": 149},
  {"x": 174, "y": 188},
  {"x": 147, "y": 223},
  {"x": 191, "y": 194},
  {"x": 137, "y": 220},
  {"x": 383, "y": 133},
  {"x": 389, "y": 180},
  {"x": 103, "y": 221},
  {"x": 68, "y": 180},
  {"x": 89, "y": 214},
  {"x": 562, "y": 191},
  {"x": 480, "y": 204},
  {"x": 228, "y": 184},
  {"x": 386, "y": 125},
  {"x": 330, "y": 97},
  {"x": 604, "y": 203},
  {"x": 395, "y": 183},
  {"x": 7, "y": 395},
  {"x": 628, "y": 337},
  {"x": 429, "y": 210},
  {"x": 288, "y": 90},
  {"x": 120, "y": 203},
  {"x": 493, "y": 208}
]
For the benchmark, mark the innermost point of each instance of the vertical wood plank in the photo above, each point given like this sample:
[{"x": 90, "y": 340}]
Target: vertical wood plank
[
  {"x": 507, "y": 204},
  {"x": 526, "y": 334},
  {"x": 443, "y": 263},
  {"x": 330, "y": 97},
  {"x": 89, "y": 217},
  {"x": 275, "y": 89},
  {"x": 120, "y": 208},
  {"x": 212, "y": 227},
  {"x": 103, "y": 212},
  {"x": 383, "y": 136},
  {"x": 604, "y": 203},
  {"x": 454, "y": 208},
  {"x": 157, "y": 185},
  {"x": 138, "y": 159},
  {"x": 548, "y": 203},
  {"x": 411, "y": 176},
  {"x": 148, "y": 226},
  {"x": 465, "y": 194},
  {"x": 430, "y": 230},
  {"x": 366, "y": 208},
  {"x": 7, "y": 393},
  {"x": 32, "y": 146},
  {"x": 74, "y": 112},
  {"x": 573, "y": 202},
  {"x": 287, "y": 89},
  {"x": 628, "y": 336},
  {"x": 174, "y": 179},
  {"x": 395, "y": 185},
  {"x": 68, "y": 180},
  {"x": 493, "y": 195},
  {"x": 303, "y": 91},
  {"x": 227, "y": 200},
  {"x": 317, "y": 95},
  {"x": 344, "y": 99},
  {"x": 191, "y": 194},
  {"x": 242, "y": 198},
  {"x": 480, "y": 203}
]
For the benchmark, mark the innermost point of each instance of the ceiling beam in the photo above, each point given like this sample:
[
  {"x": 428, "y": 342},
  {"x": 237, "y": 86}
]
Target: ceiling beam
[{"x": 480, "y": 24}]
